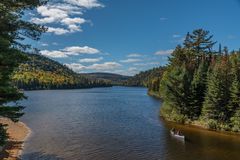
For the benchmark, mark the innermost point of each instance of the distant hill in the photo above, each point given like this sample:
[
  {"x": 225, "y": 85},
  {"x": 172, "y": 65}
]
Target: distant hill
[
  {"x": 145, "y": 78},
  {"x": 150, "y": 79},
  {"x": 114, "y": 79},
  {"x": 40, "y": 72}
]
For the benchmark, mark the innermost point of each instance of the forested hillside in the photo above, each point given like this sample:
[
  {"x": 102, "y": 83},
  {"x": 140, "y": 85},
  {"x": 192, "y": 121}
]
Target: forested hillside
[
  {"x": 40, "y": 72},
  {"x": 145, "y": 78},
  {"x": 150, "y": 79},
  {"x": 202, "y": 86},
  {"x": 114, "y": 79}
]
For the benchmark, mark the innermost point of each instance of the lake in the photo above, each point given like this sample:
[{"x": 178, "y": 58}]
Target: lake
[{"x": 117, "y": 123}]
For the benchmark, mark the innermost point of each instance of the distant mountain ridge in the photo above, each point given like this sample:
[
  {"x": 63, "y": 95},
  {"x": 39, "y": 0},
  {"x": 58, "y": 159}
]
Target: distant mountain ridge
[
  {"x": 150, "y": 79},
  {"x": 114, "y": 79},
  {"x": 144, "y": 78},
  {"x": 40, "y": 72}
]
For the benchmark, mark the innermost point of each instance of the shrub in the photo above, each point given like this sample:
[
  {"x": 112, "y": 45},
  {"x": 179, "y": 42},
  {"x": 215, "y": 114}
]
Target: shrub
[{"x": 212, "y": 124}]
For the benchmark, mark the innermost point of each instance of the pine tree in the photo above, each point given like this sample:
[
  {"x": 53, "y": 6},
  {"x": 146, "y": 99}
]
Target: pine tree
[
  {"x": 175, "y": 88},
  {"x": 234, "y": 103},
  {"x": 199, "y": 41},
  {"x": 217, "y": 96},
  {"x": 13, "y": 30},
  {"x": 220, "y": 49},
  {"x": 198, "y": 89}
]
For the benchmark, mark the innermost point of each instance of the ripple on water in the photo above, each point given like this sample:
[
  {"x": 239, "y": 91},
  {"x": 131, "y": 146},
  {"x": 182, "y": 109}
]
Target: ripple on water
[{"x": 117, "y": 123}]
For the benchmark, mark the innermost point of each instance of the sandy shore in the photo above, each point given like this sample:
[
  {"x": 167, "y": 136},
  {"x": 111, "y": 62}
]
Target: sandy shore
[{"x": 18, "y": 133}]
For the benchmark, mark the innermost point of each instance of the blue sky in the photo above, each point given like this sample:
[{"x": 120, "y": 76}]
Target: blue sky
[{"x": 128, "y": 36}]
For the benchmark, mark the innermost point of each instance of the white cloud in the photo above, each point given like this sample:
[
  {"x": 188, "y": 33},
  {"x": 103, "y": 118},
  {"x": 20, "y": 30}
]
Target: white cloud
[
  {"x": 130, "y": 60},
  {"x": 50, "y": 15},
  {"x": 90, "y": 60},
  {"x": 73, "y": 23},
  {"x": 81, "y": 50},
  {"x": 44, "y": 44},
  {"x": 57, "y": 31},
  {"x": 146, "y": 64},
  {"x": 128, "y": 72},
  {"x": 70, "y": 9},
  {"x": 176, "y": 36},
  {"x": 154, "y": 63},
  {"x": 132, "y": 69},
  {"x": 105, "y": 66},
  {"x": 77, "y": 67},
  {"x": 134, "y": 55},
  {"x": 85, "y": 3},
  {"x": 69, "y": 51},
  {"x": 164, "y": 52},
  {"x": 53, "y": 54},
  {"x": 66, "y": 14}
]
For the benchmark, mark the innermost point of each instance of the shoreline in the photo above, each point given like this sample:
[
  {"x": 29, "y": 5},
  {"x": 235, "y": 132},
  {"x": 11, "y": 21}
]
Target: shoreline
[
  {"x": 193, "y": 124},
  {"x": 197, "y": 125},
  {"x": 154, "y": 95},
  {"x": 18, "y": 134}
]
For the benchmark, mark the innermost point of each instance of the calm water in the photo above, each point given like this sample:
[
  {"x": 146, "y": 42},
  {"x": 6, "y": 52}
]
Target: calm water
[{"x": 116, "y": 123}]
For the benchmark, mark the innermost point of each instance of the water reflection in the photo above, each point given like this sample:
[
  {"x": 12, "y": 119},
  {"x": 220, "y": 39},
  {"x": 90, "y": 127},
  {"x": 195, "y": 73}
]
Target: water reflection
[
  {"x": 42, "y": 156},
  {"x": 113, "y": 123}
]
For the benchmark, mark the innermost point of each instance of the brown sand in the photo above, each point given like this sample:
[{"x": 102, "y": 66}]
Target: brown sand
[{"x": 18, "y": 132}]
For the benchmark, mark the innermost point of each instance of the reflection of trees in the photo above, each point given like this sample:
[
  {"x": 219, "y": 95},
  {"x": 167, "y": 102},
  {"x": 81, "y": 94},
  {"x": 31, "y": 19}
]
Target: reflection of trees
[
  {"x": 10, "y": 146},
  {"x": 41, "y": 156}
]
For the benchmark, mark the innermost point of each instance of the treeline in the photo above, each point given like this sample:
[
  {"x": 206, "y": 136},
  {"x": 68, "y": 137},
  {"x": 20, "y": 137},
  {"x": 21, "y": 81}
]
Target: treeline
[
  {"x": 149, "y": 78},
  {"x": 202, "y": 86},
  {"x": 40, "y": 72},
  {"x": 112, "y": 78}
]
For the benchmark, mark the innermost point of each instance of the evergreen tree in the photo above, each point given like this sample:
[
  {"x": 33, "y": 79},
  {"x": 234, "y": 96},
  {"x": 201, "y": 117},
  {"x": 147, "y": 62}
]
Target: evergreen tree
[
  {"x": 234, "y": 103},
  {"x": 217, "y": 96},
  {"x": 175, "y": 89},
  {"x": 220, "y": 49},
  {"x": 198, "y": 89},
  {"x": 13, "y": 30},
  {"x": 199, "y": 41}
]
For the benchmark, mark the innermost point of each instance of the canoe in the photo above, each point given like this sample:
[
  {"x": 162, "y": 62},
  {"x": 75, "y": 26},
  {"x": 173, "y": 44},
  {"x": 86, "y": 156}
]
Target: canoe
[{"x": 177, "y": 136}]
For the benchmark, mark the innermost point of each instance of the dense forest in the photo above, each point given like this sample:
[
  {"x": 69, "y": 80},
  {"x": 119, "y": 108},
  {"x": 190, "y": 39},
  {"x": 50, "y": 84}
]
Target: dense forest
[
  {"x": 150, "y": 79},
  {"x": 145, "y": 78},
  {"x": 112, "y": 78},
  {"x": 201, "y": 86},
  {"x": 40, "y": 72}
]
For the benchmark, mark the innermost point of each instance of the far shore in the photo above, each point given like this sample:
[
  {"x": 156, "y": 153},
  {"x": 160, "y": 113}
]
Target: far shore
[{"x": 18, "y": 133}]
